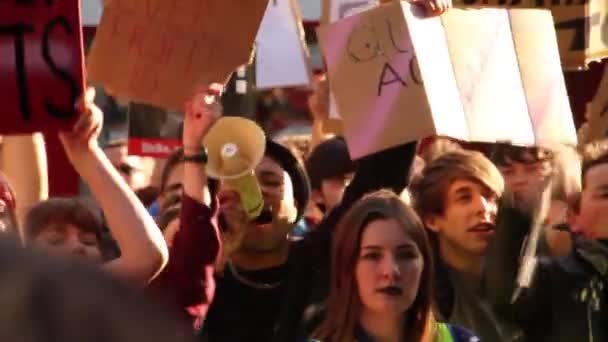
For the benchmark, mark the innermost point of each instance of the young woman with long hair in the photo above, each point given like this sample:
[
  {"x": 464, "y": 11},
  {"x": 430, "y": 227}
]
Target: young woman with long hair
[{"x": 382, "y": 278}]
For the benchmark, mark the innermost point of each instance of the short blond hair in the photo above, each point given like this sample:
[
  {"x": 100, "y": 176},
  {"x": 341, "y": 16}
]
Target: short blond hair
[
  {"x": 438, "y": 147},
  {"x": 429, "y": 190}
]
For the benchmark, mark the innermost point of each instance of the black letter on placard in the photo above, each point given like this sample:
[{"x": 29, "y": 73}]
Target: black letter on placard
[
  {"x": 62, "y": 74},
  {"x": 18, "y": 32},
  {"x": 415, "y": 71},
  {"x": 580, "y": 27},
  {"x": 391, "y": 34},
  {"x": 396, "y": 78}
]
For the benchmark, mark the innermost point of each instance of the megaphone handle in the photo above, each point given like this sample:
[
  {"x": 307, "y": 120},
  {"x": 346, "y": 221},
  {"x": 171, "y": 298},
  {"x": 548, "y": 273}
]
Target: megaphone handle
[{"x": 250, "y": 193}]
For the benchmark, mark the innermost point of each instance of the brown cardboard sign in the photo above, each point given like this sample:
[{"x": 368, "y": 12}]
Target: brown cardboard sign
[
  {"x": 158, "y": 51},
  {"x": 582, "y": 26},
  {"x": 477, "y": 75},
  {"x": 334, "y": 10}
]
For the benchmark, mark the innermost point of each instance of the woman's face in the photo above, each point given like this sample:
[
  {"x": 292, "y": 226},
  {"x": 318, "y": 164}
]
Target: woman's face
[
  {"x": 69, "y": 240},
  {"x": 389, "y": 268}
]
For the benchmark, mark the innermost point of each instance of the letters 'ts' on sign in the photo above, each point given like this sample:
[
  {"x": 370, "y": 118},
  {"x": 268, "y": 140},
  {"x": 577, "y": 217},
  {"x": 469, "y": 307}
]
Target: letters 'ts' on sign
[
  {"x": 41, "y": 63},
  {"x": 158, "y": 51},
  {"x": 478, "y": 75},
  {"x": 582, "y": 26}
]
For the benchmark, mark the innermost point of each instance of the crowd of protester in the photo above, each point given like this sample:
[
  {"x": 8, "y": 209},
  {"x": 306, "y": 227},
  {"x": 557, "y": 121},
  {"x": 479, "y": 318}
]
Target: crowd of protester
[{"x": 415, "y": 243}]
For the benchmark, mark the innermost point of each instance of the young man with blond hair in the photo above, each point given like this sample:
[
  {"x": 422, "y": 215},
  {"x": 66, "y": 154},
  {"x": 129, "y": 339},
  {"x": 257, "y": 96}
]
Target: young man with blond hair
[{"x": 457, "y": 198}]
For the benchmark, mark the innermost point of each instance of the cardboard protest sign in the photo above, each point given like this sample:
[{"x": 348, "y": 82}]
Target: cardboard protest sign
[
  {"x": 158, "y": 51},
  {"x": 41, "y": 63},
  {"x": 478, "y": 75},
  {"x": 153, "y": 131},
  {"x": 596, "y": 126},
  {"x": 334, "y": 10},
  {"x": 282, "y": 57},
  {"x": 582, "y": 26}
]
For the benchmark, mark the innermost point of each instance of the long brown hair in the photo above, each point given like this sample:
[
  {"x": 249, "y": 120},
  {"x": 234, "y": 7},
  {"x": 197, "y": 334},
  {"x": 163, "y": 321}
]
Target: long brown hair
[{"x": 344, "y": 303}]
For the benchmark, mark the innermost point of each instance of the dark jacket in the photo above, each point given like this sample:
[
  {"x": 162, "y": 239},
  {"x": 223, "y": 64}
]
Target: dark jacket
[
  {"x": 566, "y": 299},
  {"x": 474, "y": 310},
  {"x": 187, "y": 282}
]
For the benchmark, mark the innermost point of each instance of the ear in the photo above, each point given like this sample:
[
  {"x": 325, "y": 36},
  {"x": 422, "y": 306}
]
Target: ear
[{"x": 432, "y": 223}]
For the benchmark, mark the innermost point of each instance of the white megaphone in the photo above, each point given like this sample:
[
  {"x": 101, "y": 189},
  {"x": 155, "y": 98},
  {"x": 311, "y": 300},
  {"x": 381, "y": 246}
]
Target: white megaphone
[{"x": 235, "y": 146}]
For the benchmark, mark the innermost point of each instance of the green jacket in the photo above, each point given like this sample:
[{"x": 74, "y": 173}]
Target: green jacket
[{"x": 445, "y": 333}]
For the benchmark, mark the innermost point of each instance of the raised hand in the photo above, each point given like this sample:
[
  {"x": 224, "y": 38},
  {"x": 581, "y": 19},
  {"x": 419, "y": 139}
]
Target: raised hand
[
  {"x": 318, "y": 102},
  {"x": 200, "y": 114},
  {"x": 82, "y": 139},
  {"x": 435, "y": 7}
]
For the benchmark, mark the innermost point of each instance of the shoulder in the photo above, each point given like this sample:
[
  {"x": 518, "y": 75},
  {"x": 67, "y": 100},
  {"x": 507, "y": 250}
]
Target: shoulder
[{"x": 457, "y": 334}]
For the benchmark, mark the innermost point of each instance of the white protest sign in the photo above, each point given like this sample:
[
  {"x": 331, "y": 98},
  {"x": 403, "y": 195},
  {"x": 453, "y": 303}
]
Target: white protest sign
[
  {"x": 582, "y": 26},
  {"x": 91, "y": 11},
  {"x": 282, "y": 58},
  {"x": 479, "y": 75}
]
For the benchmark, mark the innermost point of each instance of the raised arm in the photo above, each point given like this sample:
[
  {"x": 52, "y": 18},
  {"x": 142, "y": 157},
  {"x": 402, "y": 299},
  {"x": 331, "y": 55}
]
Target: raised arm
[
  {"x": 502, "y": 266},
  {"x": 318, "y": 104},
  {"x": 143, "y": 249},
  {"x": 24, "y": 164},
  {"x": 188, "y": 281}
]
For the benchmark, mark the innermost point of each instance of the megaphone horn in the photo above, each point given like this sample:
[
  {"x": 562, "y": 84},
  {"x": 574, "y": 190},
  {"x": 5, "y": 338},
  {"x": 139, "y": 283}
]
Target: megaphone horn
[{"x": 235, "y": 146}]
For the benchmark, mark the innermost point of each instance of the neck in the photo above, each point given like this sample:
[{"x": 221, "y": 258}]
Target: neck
[
  {"x": 382, "y": 328},
  {"x": 252, "y": 260},
  {"x": 459, "y": 260}
]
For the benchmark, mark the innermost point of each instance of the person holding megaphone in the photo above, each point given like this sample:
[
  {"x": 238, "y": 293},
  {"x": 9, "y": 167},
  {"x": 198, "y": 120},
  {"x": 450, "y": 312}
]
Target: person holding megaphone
[
  {"x": 268, "y": 282},
  {"x": 263, "y": 191}
]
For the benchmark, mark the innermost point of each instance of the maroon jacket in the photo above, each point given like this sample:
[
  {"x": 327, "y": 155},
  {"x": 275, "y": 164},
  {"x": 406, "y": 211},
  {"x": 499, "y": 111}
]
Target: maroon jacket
[{"x": 187, "y": 282}]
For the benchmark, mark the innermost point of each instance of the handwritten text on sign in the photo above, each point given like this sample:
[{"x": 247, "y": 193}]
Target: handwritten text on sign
[
  {"x": 374, "y": 73},
  {"x": 157, "y": 51},
  {"x": 336, "y": 10},
  {"x": 364, "y": 45},
  {"x": 40, "y": 63}
]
